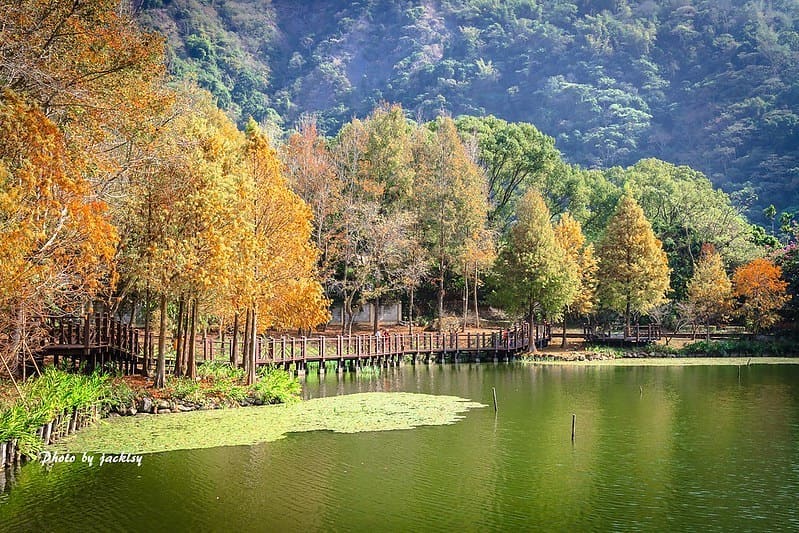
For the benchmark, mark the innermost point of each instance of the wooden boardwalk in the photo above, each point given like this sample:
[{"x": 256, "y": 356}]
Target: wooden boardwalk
[
  {"x": 636, "y": 334},
  {"x": 94, "y": 341},
  {"x": 101, "y": 341}
]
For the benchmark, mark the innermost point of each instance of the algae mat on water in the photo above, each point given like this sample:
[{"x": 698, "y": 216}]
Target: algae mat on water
[{"x": 374, "y": 411}]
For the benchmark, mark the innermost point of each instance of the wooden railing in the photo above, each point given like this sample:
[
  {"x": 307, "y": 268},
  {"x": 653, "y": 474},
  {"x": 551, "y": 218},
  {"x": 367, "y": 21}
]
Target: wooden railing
[
  {"x": 636, "y": 333},
  {"x": 100, "y": 339}
]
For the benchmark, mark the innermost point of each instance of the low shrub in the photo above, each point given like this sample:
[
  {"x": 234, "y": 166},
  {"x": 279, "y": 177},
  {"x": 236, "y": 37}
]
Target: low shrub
[
  {"x": 216, "y": 370},
  {"x": 185, "y": 389},
  {"x": 756, "y": 348}
]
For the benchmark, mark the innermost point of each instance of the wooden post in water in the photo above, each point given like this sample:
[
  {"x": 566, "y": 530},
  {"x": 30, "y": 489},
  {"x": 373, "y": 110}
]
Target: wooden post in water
[
  {"x": 494, "y": 391},
  {"x": 574, "y": 423},
  {"x": 322, "y": 354}
]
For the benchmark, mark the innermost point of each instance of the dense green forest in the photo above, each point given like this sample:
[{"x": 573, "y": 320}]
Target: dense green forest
[{"x": 710, "y": 84}]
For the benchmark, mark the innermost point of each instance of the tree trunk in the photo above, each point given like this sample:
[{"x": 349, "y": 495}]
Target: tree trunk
[
  {"x": 245, "y": 356},
  {"x": 627, "y": 319},
  {"x": 147, "y": 354},
  {"x": 184, "y": 356},
  {"x": 531, "y": 322},
  {"x": 192, "y": 359},
  {"x": 253, "y": 348},
  {"x": 16, "y": 344},
  {"x": 563, "y": 337},
  {"x": 161, "y": 366},
  {"x": 344, "y": 315},
  {"x": 707, "y": 331},
  {"x": 234, "y": 348},
  {"x": 441, "y": 298},
  {"x": 465, "y": 296},
  {"x": 476, "y": 284},
  {"x": 178, "y": 370},
  {"x": 376, "y": 322},
  {"x": 410, "y": 314},
  {"x": 348, "y": 315}
]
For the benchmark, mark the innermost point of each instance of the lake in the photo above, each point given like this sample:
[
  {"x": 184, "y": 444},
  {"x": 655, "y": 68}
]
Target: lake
[{"x": 656, "y": 448}]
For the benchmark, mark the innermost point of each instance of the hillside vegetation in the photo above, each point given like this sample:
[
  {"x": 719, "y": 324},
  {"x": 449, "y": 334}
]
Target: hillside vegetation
[{"x": 711, "y": 84}]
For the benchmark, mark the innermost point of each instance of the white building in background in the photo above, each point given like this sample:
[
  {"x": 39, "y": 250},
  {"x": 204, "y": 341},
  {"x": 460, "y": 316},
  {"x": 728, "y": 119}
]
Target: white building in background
[{"x": 390, "y": 314}]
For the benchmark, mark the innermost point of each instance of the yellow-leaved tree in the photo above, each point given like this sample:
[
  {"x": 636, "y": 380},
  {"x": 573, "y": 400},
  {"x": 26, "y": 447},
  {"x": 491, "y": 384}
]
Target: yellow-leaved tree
[
  {"x": 182, "y": 218},
  {"x": 709, "y": 289},
  {"x": 283, "y": 287},
  {"x": 633, "y": 274},
  {"x": 569, "y": 234}
]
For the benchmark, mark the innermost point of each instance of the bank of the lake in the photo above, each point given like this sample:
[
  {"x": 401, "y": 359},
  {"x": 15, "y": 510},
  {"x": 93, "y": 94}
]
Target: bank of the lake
[
  {"x": 44, "y": 409},
  {"x": 588, "y": 359}
]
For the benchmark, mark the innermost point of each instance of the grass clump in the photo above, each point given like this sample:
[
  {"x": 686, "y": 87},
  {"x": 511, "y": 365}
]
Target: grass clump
[
  {"x": 119, "y": 394},
  {"x": 185, "y": 389},
  {"x": 275, "y": 386},
  {"x": 221, "y": 383},
  {"x": 219, "y": 370},
  {"x": 47, "y": 397}
]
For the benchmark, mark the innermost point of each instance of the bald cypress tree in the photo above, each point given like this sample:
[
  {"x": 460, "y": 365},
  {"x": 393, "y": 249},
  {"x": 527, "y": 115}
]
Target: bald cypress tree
[
  {"x": 710, "y": 290},
  {"x": 535, "y": 275},
  {"x": 633, "y": 268}
]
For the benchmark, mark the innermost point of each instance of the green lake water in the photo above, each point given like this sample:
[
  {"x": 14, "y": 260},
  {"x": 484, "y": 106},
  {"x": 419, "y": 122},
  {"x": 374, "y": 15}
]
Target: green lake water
[{"x": 677, "y": 448}]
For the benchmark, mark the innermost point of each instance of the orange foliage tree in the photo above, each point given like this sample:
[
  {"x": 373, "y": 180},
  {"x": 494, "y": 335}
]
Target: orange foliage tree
[
  {"x": 86, "y": 63},
  {"x": 761, "y": 292},
  {"x": 311, "y": 173},
  {"x": 56, "y": 243},
  {"x": 82, "y": 83}
]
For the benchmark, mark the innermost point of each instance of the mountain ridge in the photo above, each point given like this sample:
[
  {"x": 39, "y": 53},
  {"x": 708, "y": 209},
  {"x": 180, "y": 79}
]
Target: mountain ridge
[{"x": 710, "y": 84}]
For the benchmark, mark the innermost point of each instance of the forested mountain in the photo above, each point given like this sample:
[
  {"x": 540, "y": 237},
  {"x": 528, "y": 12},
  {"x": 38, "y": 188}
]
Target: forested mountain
[{"x": 713, "y": 84}]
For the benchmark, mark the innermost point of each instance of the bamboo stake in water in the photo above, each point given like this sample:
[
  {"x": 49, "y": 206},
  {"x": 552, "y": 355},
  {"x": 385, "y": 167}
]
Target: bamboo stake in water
[{"x": 494, "y": 390}]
